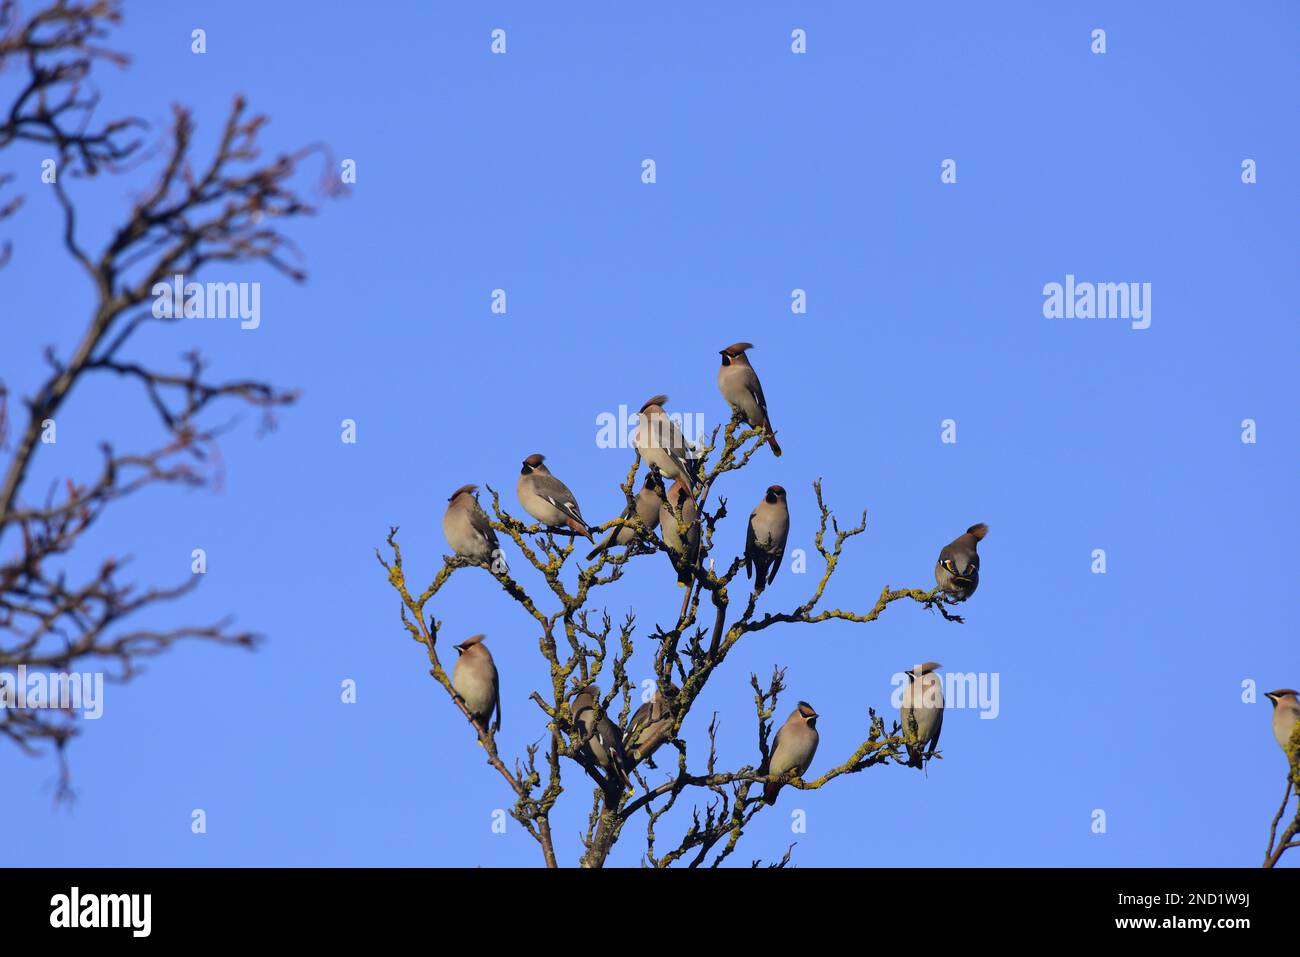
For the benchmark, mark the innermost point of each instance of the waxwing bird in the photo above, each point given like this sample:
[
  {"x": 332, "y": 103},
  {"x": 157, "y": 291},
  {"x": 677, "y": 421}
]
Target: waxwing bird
[
  {"x": 645, "y": 506},
  {"x": 662, "y": 444},
  {"x": 794, "y": 747},
  {"x": 468, "y": 530},
  {"x": 605, "y": 744},
  {"x": 549, "y": 500},
  {"x": 1286, "y": 712},
  {"x": 475, "y": 680},
  {"x": 685, "y": 548},
  {"x": 922, "y": 711},
  {"x": 651, "y": 725},
  {"x": 769, "y": 527},
  {"x": 958, "y": 568},
  {"x": 743, "y": 392}
]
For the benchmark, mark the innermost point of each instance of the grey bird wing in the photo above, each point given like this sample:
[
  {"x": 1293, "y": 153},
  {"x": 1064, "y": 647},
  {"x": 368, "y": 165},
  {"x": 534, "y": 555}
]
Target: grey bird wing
[
  {"x": 934, "y": 736},
  {"x": 756, "y": 390},
  {"x": 751, "y": 546},
  {"x": 778, "y": 555},
  {"x": 776, "y": 564},
  {"x": 960, "y": 556},
  {"x": 558, "y": 494},
  {"x": 694, "y": 540},
  {"x": 619, "y": 751},
  {"x": 674, "y": 446},
  {"x": 766, "y": 766},
  {"x": 640, "y": 718},
  {"x": 684, "y": 464},
  {"x": 581, "y": 704},
  {"x": 496, "y": 691},
  {"x": 612, "y": 739},
  {"x": 478, "y": 521}
]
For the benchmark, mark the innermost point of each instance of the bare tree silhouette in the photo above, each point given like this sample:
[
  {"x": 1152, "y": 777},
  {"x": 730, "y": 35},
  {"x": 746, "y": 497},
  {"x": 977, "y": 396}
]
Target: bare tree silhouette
[{"x": 224, "y": 208}]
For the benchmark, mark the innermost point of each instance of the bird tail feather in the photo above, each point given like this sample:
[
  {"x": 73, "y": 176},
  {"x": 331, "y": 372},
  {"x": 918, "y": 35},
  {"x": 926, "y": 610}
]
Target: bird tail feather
[{"x": 606, "y": 543}]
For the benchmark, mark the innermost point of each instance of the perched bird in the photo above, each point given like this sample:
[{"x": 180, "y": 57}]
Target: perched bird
[
  {"x": 468, "y": 531},
  {"x": 794, "y": 747},
  {"x": 475, "y": 680},
  {"x": 685, "y": 549},
  {"x": 1286, "y": 712},
  {"x": 769, "y": 527},
  {"x": 547, "y": 499},
  {"x": 958, "y": 569},
  {"x": 662, "y": 444},
  {"x": 922, "y": 711},
  {"x": 740, "y": 387},
  {"x": 647, "y": 504},
  {"x": 605, "y": 744},
  {"x": 651, "y": 725}
]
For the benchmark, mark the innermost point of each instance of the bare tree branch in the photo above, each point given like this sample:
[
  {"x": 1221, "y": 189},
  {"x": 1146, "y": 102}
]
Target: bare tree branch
[{"x": 227, "y": 209}]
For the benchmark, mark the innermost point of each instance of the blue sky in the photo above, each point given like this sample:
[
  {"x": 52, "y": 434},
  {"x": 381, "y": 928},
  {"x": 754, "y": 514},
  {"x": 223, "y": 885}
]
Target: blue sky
[{"x": 775, "y": 171}]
